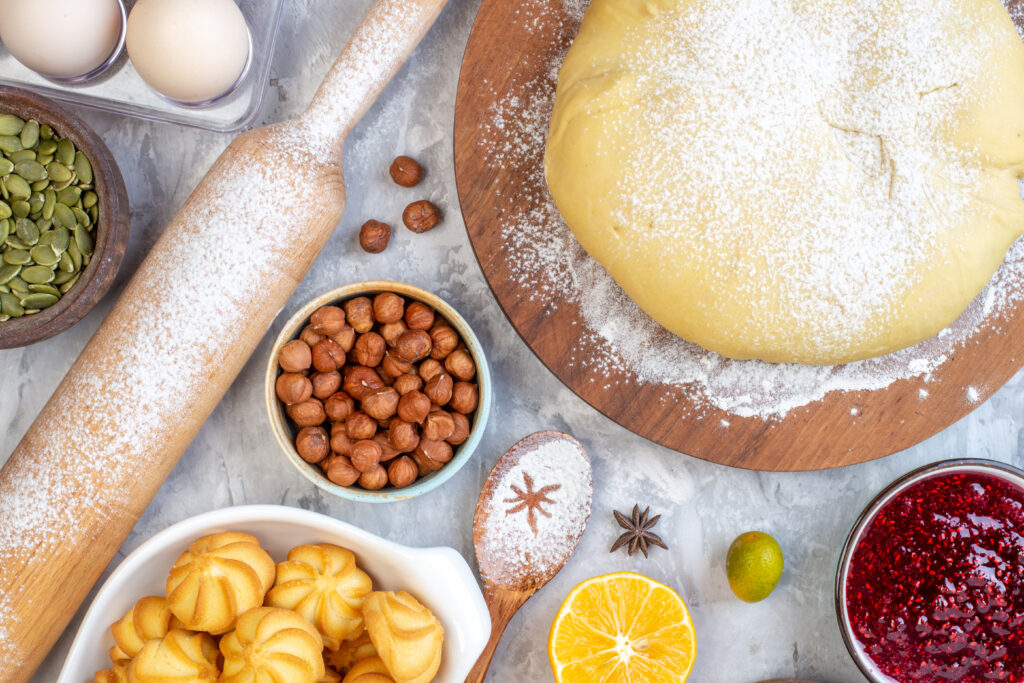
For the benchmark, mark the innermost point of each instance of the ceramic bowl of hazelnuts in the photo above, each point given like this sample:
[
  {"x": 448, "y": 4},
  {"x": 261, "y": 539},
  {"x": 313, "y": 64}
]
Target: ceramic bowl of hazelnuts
[{"x": 378, "y": 391}]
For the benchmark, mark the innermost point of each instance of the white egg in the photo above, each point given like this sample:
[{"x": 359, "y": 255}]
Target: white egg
[
  {"x": 60, "y": 38},
  {"x": 188, "y": 50}
]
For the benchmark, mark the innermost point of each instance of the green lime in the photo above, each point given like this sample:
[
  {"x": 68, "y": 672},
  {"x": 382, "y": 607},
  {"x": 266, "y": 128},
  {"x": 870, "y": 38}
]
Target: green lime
[{"x": 754, "y": 566}]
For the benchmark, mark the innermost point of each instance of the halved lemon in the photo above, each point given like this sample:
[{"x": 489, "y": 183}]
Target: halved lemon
[{"x": 622, "y": 627}]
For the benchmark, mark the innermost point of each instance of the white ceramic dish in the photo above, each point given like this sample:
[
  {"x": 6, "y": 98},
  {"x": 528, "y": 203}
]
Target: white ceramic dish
[{"x": 438, "y": 577}]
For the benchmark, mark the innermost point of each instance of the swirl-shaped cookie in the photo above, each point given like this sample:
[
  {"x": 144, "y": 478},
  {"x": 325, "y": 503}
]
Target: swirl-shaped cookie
[
  {"x": 369, "y": 670},
  {"x": 324, "y": 585},
  {"x": 179, "y": 657},
  {"x": 272, "y": 644},
  {"x": 407, "y": 635},
  {"x": 118, "y": 674},
  {"x": 149, "y": 618},
  {"x": 216, "y": 579},
  {"x": 350, "y": 652}
]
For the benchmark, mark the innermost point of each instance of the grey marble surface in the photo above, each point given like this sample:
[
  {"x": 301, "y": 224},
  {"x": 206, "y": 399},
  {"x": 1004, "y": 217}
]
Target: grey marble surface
[{"x": 235, "y": 460}]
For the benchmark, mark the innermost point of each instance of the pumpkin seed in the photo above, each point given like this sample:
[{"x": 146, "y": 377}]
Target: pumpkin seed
[
  {"x": 69, "y": 196},
  {"x": 21, "y": 208},
  {"x": 30, "y": 134},
  {"x": 58, "y": 172},
  {"x": 10, "y": 124},
  {"x": 17, "y": 257},
  {"x": 44, "y": 224},
  {"x": 5, "y": 230},
  {"x": 84, "y": 242},
  {"x": 44, "y": 159},
  {"x": 89, "y": 200},
  {"x": 17, "y": 187},
  {"x": 9, "y": 144},
  {"x": 45, "y": 132},
  {"x": 49, "y": 200},
  {"x": 61, "y": 276},
  {"x": 40, "y": 185},
  {"x": 94, "y": 213},
  {"x": 44, "y": 289},
  {"x": 23, "y": 155},
  {"x": 27, "y": 230},
  {"x": 35, "y": 202},
  {"x": 39, "y": 300},
  {"x": 65, "y": 153},
  {"x": 81, "y": 216},
  {"x": 83, "y": 167},
  {"x": 63, "y": 216},
  {"x": 8, "y": 271},
  {"x": 14, "y": 242},
  {"x": 67, "y": 262},
  {"x": 47, "y": 147},
  {"x": 45, "y": 238},
  {"x": 4, "y": 317},
  {"x": 61, "y": 238},
  {"x": 6, "y": 166},
  {"x": 36, "y": 275},
  {"x": 31, "y": 170},
  {"x": 17, "y": 285},
  {"x": 69, "y": 284},
  {"x": 44, "y": 255},
  {"x": 11, "y": 305},
  {"x": 5, "y": 210}
]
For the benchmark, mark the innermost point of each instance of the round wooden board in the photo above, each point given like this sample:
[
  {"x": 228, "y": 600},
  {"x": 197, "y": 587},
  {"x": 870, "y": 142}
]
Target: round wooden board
[{"x": 512, "y": 48}]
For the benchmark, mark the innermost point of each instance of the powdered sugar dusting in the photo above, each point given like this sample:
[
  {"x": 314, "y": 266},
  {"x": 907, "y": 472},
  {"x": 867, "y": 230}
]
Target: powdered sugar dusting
[
  {"x": 539, "y": 503},
  {"x": 622, "y": 339}
]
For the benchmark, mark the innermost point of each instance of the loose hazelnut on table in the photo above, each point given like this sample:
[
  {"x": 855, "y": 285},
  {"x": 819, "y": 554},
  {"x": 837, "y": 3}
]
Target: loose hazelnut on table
[
  {"x": 380, "y": 404},
  {"x": 360, "y": 426},
  {"x": 421, "y": 216},
  {"x": 462, "y": 428},
  {"x": 312, "y": 444},
  {"x": 361, "y": 380},
  {"x": 374, "y": 236},
  {"x": 403, "y": 436},
  {"x": 346, "y": 339},
  {"x": 341, "y": 443},
  {"x": 392, "y": 331},
  {"x": 393, "y": 366},
  {"x": 413, "y": 345},
  {"x": 460, "y": 364},
  {"x": 328, "y": 356},
  {"x": 419, "y": 316},
  {"x": 408, "y": 382},
  {"x": 370, "y": 348},
  {"x": 445, "y": 341},
  {"x": 439, "y": 388},
  {"x": 406, "y": 171},
  {"x": 325, "y": 384},
  {"x": 293, "y": 388},
  {"x": 365, "y": 455},
  {"x": 311, "y": 337},
  {"x": 388, "y": 307},
  {"x": 339, "y": 470},
  {"x": 295, "y": 356},
  {"x": 464, "y": 397},
  {"x": 339, "y": 406},
  {"x": 359, "y": 313},
  {"x": 438, "y": 426},
  {"x": 309, "y": 413},
  {"x": 403, "y": 472},
  {"x": 413, "y": 406},
  {"x": 429, "y": 369},
  {"x": 327, "y": 320},
  {"x": 375, "y": 479}
]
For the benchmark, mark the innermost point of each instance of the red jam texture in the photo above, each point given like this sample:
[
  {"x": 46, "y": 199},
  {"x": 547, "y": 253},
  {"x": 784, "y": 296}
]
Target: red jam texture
[{"x": 935, "y": 590}]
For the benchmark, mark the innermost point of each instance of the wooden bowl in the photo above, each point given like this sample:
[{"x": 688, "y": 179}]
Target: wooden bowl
[
  {"x": 285, "y": 433},
  {"x": 111, "y": 227}
]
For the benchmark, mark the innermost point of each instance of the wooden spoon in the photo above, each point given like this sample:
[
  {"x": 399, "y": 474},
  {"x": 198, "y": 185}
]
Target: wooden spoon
[{"x": 529, "y": 519}]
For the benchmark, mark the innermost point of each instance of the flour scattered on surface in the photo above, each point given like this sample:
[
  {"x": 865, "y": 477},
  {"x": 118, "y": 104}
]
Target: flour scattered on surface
[{"x": 972, "y": 394}]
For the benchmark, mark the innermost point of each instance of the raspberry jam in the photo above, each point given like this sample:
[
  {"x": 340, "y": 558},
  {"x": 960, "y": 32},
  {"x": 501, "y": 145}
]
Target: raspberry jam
[{"x": 935, "y": 588}]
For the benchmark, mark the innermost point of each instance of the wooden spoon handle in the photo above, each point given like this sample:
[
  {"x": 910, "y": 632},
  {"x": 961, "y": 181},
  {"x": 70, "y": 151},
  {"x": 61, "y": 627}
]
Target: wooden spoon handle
[
  {"x": 368, "y": 63},
  {"x": 503, "y": 605}
]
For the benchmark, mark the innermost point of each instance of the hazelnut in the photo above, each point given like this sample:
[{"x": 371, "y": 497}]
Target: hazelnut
[
  {"x": 386, "y": 422},
  {"x": 437, "y": 451},
  {"x": 462, "y": 429},
  {"x": 328, "y": 356},
  {"x": 429, "y": 369},
  {"x": 310, "y": 337},
  {"x": 374, "y": 480},
  {"x": 392, "y": 331},
  {"x": 327, "y": 320},
  {"x": 309, "y": 413},
  {"x": 295, "y": 356},
  {"x": 460, "y": 364},
  {"x": 365, "y": 455},
  {"x": 438, "y": 426},
  {"x": 439, "y": 388},
  {"x": 374, "y": 236},
  {"x": 387, "y": 451},
  {"x": 293, "y": 388},
  {"x": 464, "y": 397},
  {"x": 370, "y": 349},
  {"x": 388, "y": 307},
  {"x": 403, "y": 472},
  {"x": 425, "y": 465},
  {"x": 339, "y": 470},
  {"x": 312, "y": 444},
  {"x": 339, "y": 406},
  {"x": 393, "y": 366},
  {"x": 406, "y": 172},
  {"x": 360, "y": 426},
  {"x": 404, "y": 436},
  {"x": 346, "y": 339},
  {"x": 380, "y": 404},
  {"x": 419, "y": 316},
  {"x": 445, "y": 341},
  {"x": 360, "y": 380},
  {"x": 413, "y": 345},
  {"x": 325, "y": 384},
  {"x": 408, "y": 382},
  {"x": 340, "y": 441},
  {"x": 413, "y": 406},
  {"x": 359, "y": 312},
  {"x": 421, "y": 216}
]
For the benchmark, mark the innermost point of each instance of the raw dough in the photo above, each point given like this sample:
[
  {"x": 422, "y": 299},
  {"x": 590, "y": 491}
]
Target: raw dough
[{"x": 810, "y": 181}]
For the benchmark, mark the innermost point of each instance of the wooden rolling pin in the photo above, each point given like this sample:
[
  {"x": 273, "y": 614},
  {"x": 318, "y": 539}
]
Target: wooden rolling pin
[{"x": 177, "y": 337}]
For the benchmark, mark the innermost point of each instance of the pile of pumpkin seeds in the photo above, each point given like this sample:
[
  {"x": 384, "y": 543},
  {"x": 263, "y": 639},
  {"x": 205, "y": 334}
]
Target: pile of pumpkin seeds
[{"x": 48, "y": 212}]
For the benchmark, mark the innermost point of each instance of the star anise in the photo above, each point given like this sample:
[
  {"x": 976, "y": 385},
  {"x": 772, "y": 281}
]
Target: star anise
[
  {"x": 531, "y": 500},
  {"x": 638, "y": 531}
]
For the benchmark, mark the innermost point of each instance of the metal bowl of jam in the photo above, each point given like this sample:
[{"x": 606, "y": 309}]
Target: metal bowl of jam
[{"x": 930, "y": 582}]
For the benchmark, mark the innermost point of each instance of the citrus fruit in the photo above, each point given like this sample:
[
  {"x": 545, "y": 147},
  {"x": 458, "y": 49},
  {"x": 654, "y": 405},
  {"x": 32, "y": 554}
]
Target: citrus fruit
[
  {"x": 622, "y": 627},
  {"x": 754, "y": 566}
]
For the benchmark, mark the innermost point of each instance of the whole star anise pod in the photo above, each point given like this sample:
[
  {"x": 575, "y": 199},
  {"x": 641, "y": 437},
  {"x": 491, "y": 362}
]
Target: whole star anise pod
[{"x": 638, "y": 531}]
